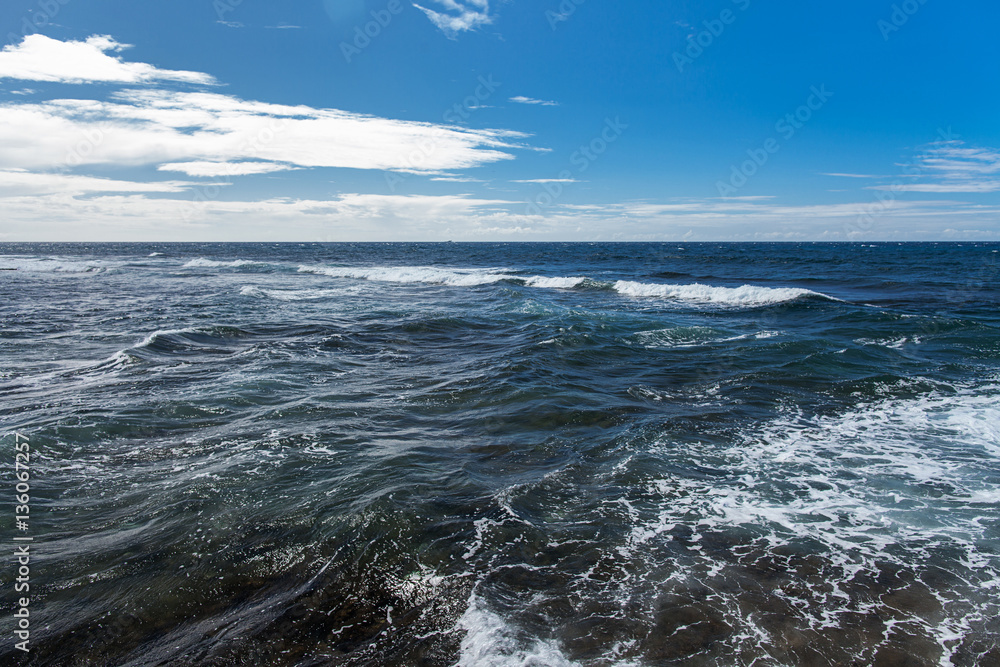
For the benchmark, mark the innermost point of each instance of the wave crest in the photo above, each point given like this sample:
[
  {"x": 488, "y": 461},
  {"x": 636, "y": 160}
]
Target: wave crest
[
  {"x": 413, "y": 274},
  {"x": 747, "y": 295}
]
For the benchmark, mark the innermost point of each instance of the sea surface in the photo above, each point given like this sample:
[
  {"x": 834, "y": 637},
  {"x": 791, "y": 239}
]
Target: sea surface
[{"x": 534, "y": 455}]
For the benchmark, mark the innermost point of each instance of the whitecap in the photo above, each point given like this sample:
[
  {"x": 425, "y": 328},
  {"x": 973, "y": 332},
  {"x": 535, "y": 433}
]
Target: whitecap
[
  {"x": 554, "y": 282},
  {"x": 53, "y": 265},
  {"x": 747, "y": 295},
  {"x": 413, "y": 274},
  {"x": 202, "y": 263}
]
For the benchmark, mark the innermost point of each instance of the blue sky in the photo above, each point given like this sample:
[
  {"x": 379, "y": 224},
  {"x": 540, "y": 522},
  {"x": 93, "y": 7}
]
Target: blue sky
[{"x": 513, "y": 121}]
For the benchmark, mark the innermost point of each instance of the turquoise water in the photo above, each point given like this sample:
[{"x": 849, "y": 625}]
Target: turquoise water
[{"x": 507, "y": 454}]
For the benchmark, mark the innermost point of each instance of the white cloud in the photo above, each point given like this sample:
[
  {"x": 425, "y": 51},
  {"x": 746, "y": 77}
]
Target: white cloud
[
  {"x": 215, "y": 169},
  {"x": 18, "y": 182},
  {"x": 45, "y": 144},
  {"x": 41, "y": 58},
  {"x": 350, "y": 216},
  {"x": 460, "y": 16},
  {"x": 207, "y": 134},
  {"x": 521, "y": 99},
  {"x": 155, "y": 127},
  {"x": 136, "y": 216}
]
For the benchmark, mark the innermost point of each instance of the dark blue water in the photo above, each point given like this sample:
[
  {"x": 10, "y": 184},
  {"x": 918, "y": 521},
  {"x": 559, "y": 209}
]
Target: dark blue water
[{"x": 507, "y": 454}]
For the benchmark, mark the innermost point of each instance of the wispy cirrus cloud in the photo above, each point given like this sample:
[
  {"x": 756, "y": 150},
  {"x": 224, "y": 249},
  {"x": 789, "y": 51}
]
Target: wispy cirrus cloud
[
  {"x": 951, "y": 167},
  {"x": 521, "y": 99},
  {"x": 21, "y": 182},
  {"x": 954, "y": 159},
  {"x": 944, "y": 188},
  {"x": 41, "y": 58},
  {"x": 458, "y": 16}
]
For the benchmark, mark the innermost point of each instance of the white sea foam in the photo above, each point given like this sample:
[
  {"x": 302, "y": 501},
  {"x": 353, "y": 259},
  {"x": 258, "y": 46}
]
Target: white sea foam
[
  {"x": 894, "y": 485},
  {"x": 202, "y": 263},
  {"x": 760, "y": 335},
  {"x": 54, "y": 265},
  {"x": 747, "y": 295},
  {"x": 892, "y": 343},
  {"x": 687, "y": 337},
  {"x": 490, "y": 641},
  {"x": 413, "y": 274},
  {"x": 844, "y": 466},
  {"x": 417, "y": 587},
  {"x": 877, "y": 486},
  {"x": 456, "y": 277},
  {"x": 290, "y": 295},
  {"x": 554, "y": 283},
  {"x": 677, "y": 337}
]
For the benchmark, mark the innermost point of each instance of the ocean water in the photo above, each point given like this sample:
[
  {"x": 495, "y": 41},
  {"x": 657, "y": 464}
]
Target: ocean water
[{"x": 506, "y": 454}]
